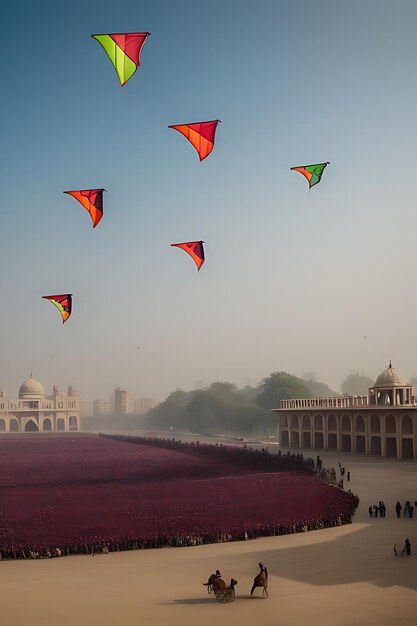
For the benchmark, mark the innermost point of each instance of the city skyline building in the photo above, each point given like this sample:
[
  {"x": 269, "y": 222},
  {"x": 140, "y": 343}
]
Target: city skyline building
[
  {"x": 101, "y": 407},
  {"x": 121, "y": 401}
]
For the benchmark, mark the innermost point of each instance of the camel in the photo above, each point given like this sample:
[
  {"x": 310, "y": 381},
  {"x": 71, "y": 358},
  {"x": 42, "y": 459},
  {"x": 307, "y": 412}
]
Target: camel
[{"x": 261, "y": 580}]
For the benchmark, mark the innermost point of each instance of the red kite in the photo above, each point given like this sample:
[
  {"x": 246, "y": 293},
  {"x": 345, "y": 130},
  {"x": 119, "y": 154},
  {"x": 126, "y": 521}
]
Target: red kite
[
  {"x": 63, "y": 302},
  {"x": 194, "y": 249},
  {"x": 200, "y": 135},
  {"x": 92, "y": 200}
]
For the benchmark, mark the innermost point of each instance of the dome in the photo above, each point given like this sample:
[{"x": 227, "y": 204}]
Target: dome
[
  {"x": 391, "y": 377},
  {"x": 31, "y": 388}
]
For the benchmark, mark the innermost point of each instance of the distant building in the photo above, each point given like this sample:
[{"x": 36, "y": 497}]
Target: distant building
[
  {"x": 34, "y": 411},
  {"x": 101, "y": 407},
  {"x": 121, "y": 401},
  {"x": 383, "y": 423},
  {"x": 142, "y": 405}
]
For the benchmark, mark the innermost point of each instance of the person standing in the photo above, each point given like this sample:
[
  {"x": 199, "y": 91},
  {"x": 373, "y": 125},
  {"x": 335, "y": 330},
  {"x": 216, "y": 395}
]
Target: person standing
[
  {"x": 398, "y": 508},
  {"x": 407, "y": 547}
]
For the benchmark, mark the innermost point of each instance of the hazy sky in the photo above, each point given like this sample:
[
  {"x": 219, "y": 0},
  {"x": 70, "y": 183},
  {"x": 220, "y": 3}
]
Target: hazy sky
[{"x": 292, "y": 281}]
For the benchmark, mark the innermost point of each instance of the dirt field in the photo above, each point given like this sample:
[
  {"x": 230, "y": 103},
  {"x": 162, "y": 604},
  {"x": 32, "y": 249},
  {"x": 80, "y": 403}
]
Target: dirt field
[{"x": 333, "y": 577}]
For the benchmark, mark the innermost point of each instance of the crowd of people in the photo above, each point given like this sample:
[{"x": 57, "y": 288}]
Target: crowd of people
[
  {"x": 102, "y": 546},
  {"x": 240, "y": 455},
  {"x": 381, "y": 509},
  {"x": 260, "y": 460}
]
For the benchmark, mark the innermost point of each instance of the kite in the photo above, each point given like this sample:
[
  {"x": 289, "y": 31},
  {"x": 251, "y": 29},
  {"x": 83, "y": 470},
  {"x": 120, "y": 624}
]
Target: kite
[
  {"x": 200, "y": 135},
  {"x": 194, "y": 249},
  {"x": 123, "y": 50},
  {"x": 313, "y": 173},
  {"x": 63, "y": 302},
  {"x": 92, "y": 200}
]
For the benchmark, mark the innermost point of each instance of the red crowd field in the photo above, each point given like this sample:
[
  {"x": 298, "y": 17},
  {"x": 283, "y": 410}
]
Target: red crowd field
[{"x": 74, "y": 490}]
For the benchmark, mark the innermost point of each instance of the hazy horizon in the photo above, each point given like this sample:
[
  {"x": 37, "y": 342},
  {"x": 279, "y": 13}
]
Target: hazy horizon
[{"x": 295, "y": 281}]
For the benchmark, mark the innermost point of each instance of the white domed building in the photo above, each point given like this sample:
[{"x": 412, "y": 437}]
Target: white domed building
[
  {"x": 383, "y": 423},
  {"x": 33, "y": 411}
]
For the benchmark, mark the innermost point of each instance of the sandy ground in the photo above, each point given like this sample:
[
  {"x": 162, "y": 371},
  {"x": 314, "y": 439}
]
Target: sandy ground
[{"x": 333, "y": 577}]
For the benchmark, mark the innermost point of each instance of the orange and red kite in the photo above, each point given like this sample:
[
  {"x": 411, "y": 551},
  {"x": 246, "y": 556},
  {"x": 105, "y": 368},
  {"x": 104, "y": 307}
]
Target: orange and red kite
[
  {"x": 92, "y": 200},
  {"x": 200, "y": 135},
  {"x": 194, "y": 249},
  {"x": 63, "y": 302}
]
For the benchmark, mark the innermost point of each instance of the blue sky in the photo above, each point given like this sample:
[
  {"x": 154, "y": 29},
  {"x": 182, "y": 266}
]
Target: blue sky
[{"x": 292, "y": 280}]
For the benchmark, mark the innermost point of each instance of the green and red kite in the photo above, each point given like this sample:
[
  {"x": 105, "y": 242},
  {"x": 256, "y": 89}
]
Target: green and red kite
[
  {"x": 92, "y": 200},
  {"x": 63, "y": 302},
  {"x": 313, "y": 173},
  {"x": 200, "y": 135},
  {"x": 194, "y": 249},
  {"x": 123, "y": 50}
]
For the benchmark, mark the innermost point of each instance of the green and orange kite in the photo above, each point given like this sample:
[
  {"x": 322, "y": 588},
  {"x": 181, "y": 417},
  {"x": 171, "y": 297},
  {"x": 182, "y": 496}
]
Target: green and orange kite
[
  {"x": 313, "y": 173},
  {"x": 123, "y": 50}
]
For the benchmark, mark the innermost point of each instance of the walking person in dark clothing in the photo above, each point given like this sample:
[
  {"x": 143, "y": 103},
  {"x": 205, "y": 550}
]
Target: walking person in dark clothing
[
  {"x": 398, "y": 508},
  {"x": 370, "y": 510},
  {"x": 407, "y": 547}
]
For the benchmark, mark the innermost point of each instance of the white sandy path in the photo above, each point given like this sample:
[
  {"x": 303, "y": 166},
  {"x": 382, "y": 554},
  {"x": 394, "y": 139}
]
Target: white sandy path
[{"x": 340, "y": 576}]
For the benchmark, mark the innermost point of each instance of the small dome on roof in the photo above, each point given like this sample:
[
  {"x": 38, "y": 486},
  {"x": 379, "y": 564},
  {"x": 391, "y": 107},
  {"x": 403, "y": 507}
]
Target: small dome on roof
[
  {"x": 31, "y": 388},
  {"x": 391, "y": 377}
]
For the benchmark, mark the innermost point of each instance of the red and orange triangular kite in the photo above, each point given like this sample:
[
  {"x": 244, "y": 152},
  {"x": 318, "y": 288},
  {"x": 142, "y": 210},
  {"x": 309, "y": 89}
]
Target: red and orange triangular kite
[
  {"x": 92, "y": 200},
  {"x": 200, "y": 135},
  {"x": 194, "y": 249}
]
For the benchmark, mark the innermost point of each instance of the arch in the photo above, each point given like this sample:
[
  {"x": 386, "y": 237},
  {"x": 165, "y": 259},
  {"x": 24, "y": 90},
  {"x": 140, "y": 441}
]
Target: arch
[
  {"x": 318, "y": 440},
  {"x": 406, "y": 425},
  {"x": 346, "y": 443},
  {"x": 14, "y": 425},
  {"x": 390, "y": 424},
  {"x": 318, "y": 422},
  {"x": 31, "y": 426},
  {"x": 306, "y": 422},
  {"x": 73, "y": 423},
  {"x": 376, "y": 445},
  {"x": 295, "y": 439},
  {"x": 346, "y": 426},
  {"x": 2, "y": 425},
  {"x": 60, "y": 423},
  {"x": 407, "y": 449},
  {"x": 360, "y": 444},
  {"x": 294, "y": 422},
  {"x": 47, "y": 424},
  {"x": 284, "y": 439},
  {"x": 375, "y": 425},
  {"x": 332, "y": 441},
  {"x": 360, "y": 424},
  {"x": 331, "y": 423},
  {"x": 391, "y": 446},
  {"x": 306, "y": 439}
]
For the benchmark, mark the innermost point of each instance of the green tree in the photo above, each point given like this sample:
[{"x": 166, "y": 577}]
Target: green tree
[
  {"x": 281, "y": 386},
  {"x": 320, "y": 390},
  {"x": 413, "y": 380},
  {"x": 356, "y": 384}
]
